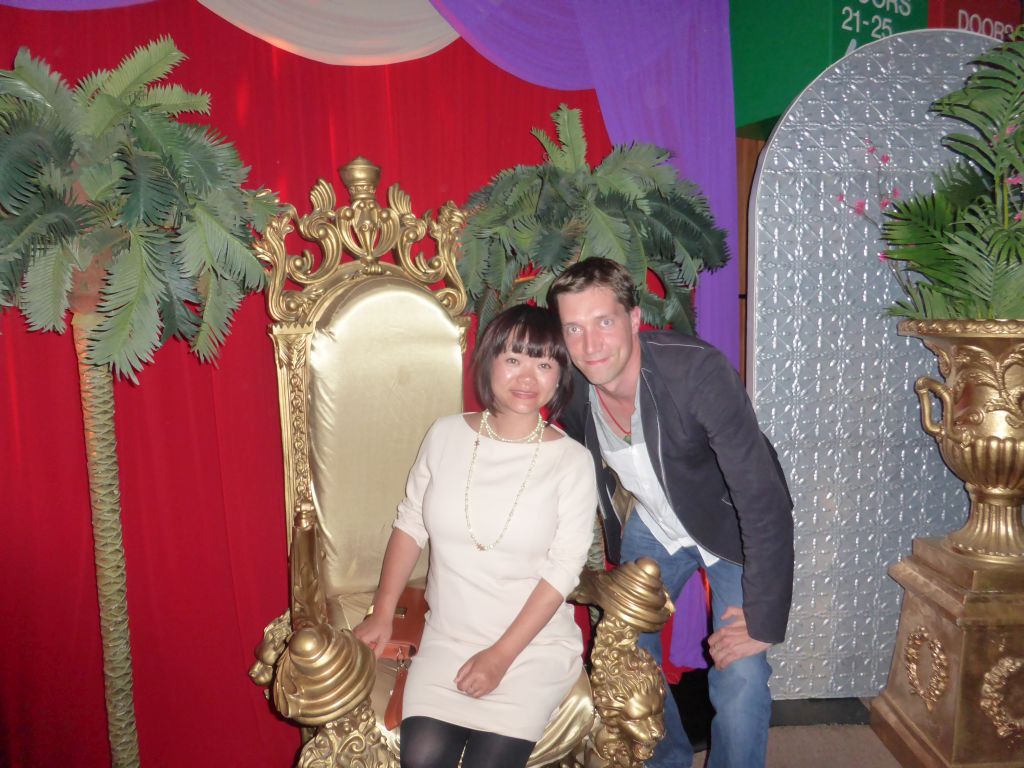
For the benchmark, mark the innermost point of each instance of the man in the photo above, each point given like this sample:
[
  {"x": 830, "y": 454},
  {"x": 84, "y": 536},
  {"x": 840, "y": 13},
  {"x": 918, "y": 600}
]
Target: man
[{"x": 668, "y": 416}]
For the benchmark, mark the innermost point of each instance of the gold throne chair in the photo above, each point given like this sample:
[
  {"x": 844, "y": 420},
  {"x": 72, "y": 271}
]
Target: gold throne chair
[{"x": 369, "y": 333}]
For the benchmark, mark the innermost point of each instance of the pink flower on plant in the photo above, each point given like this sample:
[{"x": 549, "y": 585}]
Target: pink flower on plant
[
  {"x": 1011, "y": 129},
  {"x": 895, "y": 193},
  {"x": 840, "y": 198},
  {"x": 883, "y": 256},
  {"x": 1014, "y": 179},
  {"x": 886, "y": 202},
  {"x": 872, "y": 149},
  {"x": 885, "y": 159},
  {"x": 1017, "y": 216},
  {"x": 860, "y": 206}
]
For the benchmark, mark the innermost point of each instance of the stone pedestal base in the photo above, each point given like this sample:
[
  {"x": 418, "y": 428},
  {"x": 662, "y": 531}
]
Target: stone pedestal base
[{"x": 955, "y": 695}]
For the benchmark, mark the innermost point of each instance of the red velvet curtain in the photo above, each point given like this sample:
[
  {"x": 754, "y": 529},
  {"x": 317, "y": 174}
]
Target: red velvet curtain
[{"x": 199, "y": 446}]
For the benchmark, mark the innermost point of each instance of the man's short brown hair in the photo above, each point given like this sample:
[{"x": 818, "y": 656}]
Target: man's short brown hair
[
  {"x": 594, "y": 273},
  {"x": 529, "y": 330}
]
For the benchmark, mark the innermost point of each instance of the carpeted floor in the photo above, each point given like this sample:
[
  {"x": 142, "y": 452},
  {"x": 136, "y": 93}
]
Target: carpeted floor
[{"x": 835, "y": 746}]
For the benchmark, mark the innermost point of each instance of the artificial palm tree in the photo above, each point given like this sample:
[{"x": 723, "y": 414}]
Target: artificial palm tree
[
  {"x": 136, "y": 223},
  {"x": 958, "y": 251},
  {"x": 531, "y": 222}
]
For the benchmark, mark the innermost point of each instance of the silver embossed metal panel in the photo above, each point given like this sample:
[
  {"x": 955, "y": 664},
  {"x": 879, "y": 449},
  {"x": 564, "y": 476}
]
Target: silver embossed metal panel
[{"x": 830, "y": 379}]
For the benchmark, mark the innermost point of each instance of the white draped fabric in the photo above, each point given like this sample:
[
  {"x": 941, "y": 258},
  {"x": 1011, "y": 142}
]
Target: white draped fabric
[{"x": 349, "y": 32}]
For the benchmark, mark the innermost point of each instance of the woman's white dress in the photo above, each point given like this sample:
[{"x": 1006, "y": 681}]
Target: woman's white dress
[{"x": 475, "y": 595}]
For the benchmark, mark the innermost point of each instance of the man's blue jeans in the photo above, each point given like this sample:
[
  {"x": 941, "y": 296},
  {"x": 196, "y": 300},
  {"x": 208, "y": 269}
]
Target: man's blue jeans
[{"x": 739, "y": 693}]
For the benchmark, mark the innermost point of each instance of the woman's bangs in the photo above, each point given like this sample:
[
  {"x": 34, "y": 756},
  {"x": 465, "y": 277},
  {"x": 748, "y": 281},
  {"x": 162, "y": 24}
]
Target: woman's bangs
[{"x": 535, "y": 344}]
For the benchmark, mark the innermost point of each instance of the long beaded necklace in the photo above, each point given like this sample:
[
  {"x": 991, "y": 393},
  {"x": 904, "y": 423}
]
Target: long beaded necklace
[{"x": 538, "y": 434}]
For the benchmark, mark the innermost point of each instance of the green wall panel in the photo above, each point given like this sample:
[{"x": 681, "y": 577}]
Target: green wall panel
[{"x": 780, "y": 46}]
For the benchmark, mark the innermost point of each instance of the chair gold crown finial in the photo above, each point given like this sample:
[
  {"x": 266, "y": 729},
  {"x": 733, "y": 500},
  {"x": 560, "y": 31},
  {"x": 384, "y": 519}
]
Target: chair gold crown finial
[
  {"x": 634, "y": 593},
  {"x": 361, "y": 177}
]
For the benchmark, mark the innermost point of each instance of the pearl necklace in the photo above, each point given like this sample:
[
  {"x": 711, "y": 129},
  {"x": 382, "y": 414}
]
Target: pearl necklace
[
  {"x": 538, "y": 434},
  {"x": 486, "y": 424}
]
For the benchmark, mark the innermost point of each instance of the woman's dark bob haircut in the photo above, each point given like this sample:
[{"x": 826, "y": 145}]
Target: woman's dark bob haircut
[{"x": 528, "y": 330}]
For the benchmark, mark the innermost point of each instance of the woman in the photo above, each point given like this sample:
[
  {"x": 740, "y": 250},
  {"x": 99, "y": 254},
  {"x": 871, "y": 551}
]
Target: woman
[{"x": 507, "y": 503}]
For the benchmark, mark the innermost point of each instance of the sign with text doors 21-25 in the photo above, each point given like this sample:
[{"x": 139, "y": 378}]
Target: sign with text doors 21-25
[{"x": 859, "y": 22}]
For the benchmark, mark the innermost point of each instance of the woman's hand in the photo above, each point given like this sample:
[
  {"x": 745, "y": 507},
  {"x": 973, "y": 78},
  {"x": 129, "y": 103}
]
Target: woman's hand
[
  {"x": 482, "y": 673},
  {"x": 375, "y": 631}
]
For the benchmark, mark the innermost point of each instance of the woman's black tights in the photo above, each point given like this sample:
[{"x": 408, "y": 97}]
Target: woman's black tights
[{"x": 430, "y": 743}]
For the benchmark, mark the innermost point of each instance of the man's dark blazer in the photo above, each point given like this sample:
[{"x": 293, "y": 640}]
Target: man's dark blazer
[{"x": 718, "y": 471}]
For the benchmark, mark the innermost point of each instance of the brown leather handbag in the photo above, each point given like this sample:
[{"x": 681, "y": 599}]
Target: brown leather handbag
[{"x": 407, "y": 629}]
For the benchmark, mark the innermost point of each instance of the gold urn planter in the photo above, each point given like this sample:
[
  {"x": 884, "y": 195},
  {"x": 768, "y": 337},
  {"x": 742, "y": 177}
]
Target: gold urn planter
[
  {"x": 981, "y": 433},
  {"x": 955, "y": 694}
]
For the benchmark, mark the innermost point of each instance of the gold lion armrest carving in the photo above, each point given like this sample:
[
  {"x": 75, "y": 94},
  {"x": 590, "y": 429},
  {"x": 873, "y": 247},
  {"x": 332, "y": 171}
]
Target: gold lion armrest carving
[
  {"x": 629, "y": 692},
  {"x": 319, "y": 676}
]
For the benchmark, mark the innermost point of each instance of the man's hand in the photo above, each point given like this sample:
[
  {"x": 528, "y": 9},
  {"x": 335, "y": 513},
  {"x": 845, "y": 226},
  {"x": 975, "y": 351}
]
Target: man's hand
[
  {"x": 732, "y": 642},
  {"x": 375, "y": 631},
  {"x": 482, "y": 673}
]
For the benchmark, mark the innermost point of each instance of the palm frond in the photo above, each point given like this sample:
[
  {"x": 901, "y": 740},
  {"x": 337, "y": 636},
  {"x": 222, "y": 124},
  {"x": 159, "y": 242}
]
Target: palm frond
[
  {"x": 918, "y": 222},
  {"x": 551, "y": 247},
  {"x": 10, "y": 105},
  {"x": 525, "y": 194},
  {"x": 100, "y": 181},
  {"x": 487, "y": 306},
  {"x": 177, "y": 301},
  {"x": 473, "y": 257},
  {"x": 644, "y": 166},
  {"x": 652, "y": 308},
  {"x": 150, "y": 196},
  {"x": 12, "y": 272},
  {"x": 975, "y": 150},
  {"x": 207, "y": 160},
  {"x": 496, "y": 267},
  {"x": 32, "y": 81},
  {"x": 961, "y": 183},
  {"x": 1008, "y": 294},
  {"x": 102, "y": 113},
  {"x": 87, "y": 88},
  {"x": 175, "y": 100},
  {"x": 44, "y": 298},
  {"x": 262, "y": 205},
  {"x": 569, "y": 128},
  {"x": 206, "y": 243},
  {"x": 220, "y": 300},
  {"x": 129, "y": 331},
  {"x": 46, "y": 221},
  {"x": 678, "y": 307},
  {"x": 555, "y": 153},
  {"x": 536, "y": 290},
  {"x": 691, "y": 228},
  {"x": 607, "y": 235},
  {"x": 29, "y": 142},
  {"x": 144, "y": 66}
]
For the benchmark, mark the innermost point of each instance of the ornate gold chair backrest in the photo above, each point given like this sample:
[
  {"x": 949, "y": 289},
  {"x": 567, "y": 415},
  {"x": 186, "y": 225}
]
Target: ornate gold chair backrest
[{"x": 368, "y": 355}]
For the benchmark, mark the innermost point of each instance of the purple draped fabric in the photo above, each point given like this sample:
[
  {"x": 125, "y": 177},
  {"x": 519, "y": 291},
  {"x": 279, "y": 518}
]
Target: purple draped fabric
[
  {"x": 70, "y": 5},
  {"x": 662, "y": 70}
]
